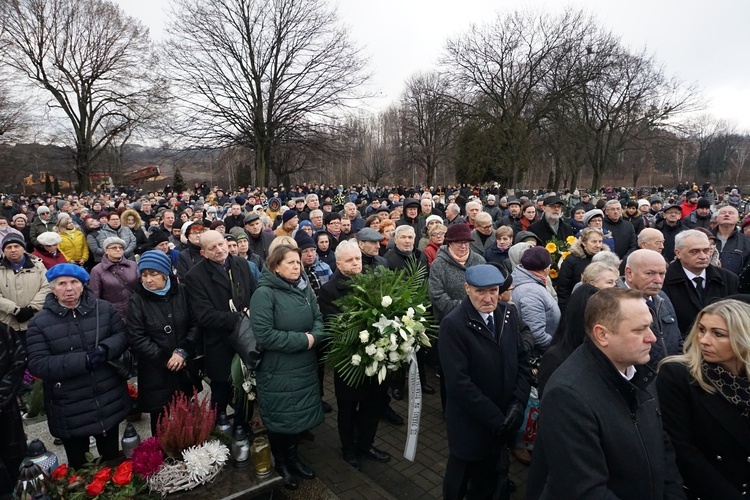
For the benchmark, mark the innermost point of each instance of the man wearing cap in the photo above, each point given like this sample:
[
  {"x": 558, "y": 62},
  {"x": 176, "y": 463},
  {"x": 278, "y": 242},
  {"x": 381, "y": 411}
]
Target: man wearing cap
[
  {"x": 244, "y": 250},
  {"x": 700, "y": 217},
  {"x": 158, "y": 241},
  {"x": 487, "y": 382},
  {"x": 23, "y": 285},
  {"x": 368, "y": 241},
  {"x": 219, "y": 289},
  {"x": 670, "y": 226},
  {"x": 537, "y": 307},
  {"x": 318, "y": 272},
  {"x": 600, "y": 430},
  {"x": 289, "y": 222},
  {"x": 259, "y": 239},
  {"x": 732, "y": 244},
  {"x": 513, "y": 219},
  {"x": 551, "y": 224},
  {"x": 585, "y": 202},
  {"x": 43, "y": 222}
]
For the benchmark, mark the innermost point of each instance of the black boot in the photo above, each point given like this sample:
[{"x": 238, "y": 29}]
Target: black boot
[
  {"x": 282, "y": 467},
  {"x": 294, "y": 463}
]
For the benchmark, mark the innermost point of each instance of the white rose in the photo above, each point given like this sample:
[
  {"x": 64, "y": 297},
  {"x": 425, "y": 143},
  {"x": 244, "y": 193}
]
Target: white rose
[
  {"x": 364, "y": 336},
  {"x": 356, "y": 359},
  {"x": 393, "y": 356},
  {"x": 410, "y": 312},
  {"x": 379, "y": 354},
  {"x": 370, "y": 349},
  {"x": 371, "y": 369},
  {"x": 386, "y": 301}
]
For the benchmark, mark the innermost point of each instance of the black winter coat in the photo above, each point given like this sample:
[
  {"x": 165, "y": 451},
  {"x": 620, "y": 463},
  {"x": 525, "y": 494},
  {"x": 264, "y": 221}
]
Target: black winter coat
[
  {"x": 157, "y": 325},
  {"x": 209, "y": 292},
  {"x": 482, "y": 377},
  {"x": 600, "y": 436},
  {"x": 710, "y": 436},
  {"x": 398, "y": 259},
  {"x": 570, "y": 274},
  {"x": 736, "y": 253},
  {"x": 187, "y": 259},
  {"x": 681, "y": 291},
  {"x": 78, "y": 402},
  {"x": 12, "y": 437},
  {"x": 543, "y": 230},
  {"x": 624, "y": 235},
  {"x": 333, "y": 290}
]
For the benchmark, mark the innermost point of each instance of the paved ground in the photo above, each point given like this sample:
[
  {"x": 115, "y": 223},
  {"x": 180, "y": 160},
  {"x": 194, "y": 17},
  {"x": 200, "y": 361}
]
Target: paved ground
[{"x": 398, "y": 479}]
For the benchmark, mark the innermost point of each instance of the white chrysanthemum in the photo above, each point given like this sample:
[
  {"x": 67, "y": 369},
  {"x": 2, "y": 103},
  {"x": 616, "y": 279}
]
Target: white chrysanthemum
[
  {"x": 356, "y": 359},
  {"x": 386, "y": 301},
  {"x": 218, "y": 452},
  {"x": 364, "y": 336},
  {"x": 198, "y": 462}
]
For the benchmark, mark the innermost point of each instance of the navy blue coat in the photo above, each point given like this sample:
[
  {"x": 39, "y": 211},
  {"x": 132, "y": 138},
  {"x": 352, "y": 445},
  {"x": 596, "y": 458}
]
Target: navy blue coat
[
  {"x": 78, "y": 402},
  {"x": 482, "y": 377}
]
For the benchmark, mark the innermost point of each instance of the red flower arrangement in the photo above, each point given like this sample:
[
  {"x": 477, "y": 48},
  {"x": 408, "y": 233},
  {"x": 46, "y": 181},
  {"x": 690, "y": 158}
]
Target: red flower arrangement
[
  {"x": 93, "y": 481},
  {"x": 132, "y": 390}
]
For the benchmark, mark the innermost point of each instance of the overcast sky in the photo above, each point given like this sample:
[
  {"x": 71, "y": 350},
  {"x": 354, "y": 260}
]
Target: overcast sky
[{"x": 698, "y": 41}]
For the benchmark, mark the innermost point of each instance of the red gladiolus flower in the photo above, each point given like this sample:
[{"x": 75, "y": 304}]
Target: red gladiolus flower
[
  {"x": 103, "y": 475},
  {"x": 60, "y": 472},
  {"x": 123, "y": 474},
  {"x": 95, "y": 487}
]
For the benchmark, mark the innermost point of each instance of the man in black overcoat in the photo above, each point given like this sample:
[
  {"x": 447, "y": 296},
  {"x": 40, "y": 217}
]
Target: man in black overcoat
[
  {"x": 219, "y": 289},
  {"x": 487, "y": 381},
  {"x": 693, "y": 266},
  {"x": 359, "y": 408}
]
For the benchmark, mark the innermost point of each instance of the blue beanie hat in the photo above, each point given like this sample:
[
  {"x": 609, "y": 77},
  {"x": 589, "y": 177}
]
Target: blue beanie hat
[
  {"x": 155, "y": 260},
  {"x": 70, "y": 270}
]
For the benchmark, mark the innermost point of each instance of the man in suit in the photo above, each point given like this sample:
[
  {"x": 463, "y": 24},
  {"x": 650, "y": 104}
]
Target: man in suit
[
  {"x": 692, "y": 282},
  {"x": 487, "y": 383},
  {"x": 219, "y": 289}
]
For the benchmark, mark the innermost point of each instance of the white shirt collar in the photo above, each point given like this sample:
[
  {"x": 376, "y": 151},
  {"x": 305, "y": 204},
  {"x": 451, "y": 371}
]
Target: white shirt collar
[
  {"x": 629, "y": 373},
  {"x": 690, "y": 275}
]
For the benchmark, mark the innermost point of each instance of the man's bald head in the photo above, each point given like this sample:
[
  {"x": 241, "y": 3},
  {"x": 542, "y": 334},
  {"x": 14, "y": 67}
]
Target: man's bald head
[
  {"x": 214, "y": 246},
  {"x": 651, "y": 239},
  {"x": 645, "y": 271}
]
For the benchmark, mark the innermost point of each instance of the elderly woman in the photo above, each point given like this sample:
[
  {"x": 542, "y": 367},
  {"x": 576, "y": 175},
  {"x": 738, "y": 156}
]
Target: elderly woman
[
  {"x": 437, "y": 237},
  {"x": 73, "y": 242},
  {"x": 424, "y": 239},
  {"x": 581, "y": 252},
  {"x": 387, "y": 226},
  {"x": 21, "y": 223},
  {"x": 595, "y": 219},
  {"x": 48, "y": 249},
  {"x": 287, "y": 325},
  {"x": 163, "y": 335},
  {"x": 83, "y": 395},
  {"x": 704, "y": 396},
  {"x": 114, "y": 228},
  {"x": 114, "y": 279}
]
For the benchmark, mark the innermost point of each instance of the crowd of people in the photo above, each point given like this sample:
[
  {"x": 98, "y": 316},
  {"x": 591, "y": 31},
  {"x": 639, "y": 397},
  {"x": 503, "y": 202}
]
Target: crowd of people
[{"x": 624, "y": 309}]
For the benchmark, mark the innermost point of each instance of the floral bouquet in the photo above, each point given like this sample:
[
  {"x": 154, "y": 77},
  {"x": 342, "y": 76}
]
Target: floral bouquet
[
  {"x": 558, "y": 251},
  {"x": 382, "y": 324},
  {"x": 96, "y": 481}
]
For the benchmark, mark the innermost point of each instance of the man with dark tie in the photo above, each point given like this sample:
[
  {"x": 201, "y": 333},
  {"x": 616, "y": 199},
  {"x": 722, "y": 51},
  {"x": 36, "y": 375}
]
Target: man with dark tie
[
  {"x": 692, "y": 282},
  {"x": 487, "y": 382},
  {"x": 645, "y": 271}
]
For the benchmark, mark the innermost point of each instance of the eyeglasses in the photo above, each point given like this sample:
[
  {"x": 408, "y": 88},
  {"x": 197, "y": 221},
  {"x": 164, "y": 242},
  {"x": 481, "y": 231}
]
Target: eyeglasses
[{"x": 461, "y": 243}]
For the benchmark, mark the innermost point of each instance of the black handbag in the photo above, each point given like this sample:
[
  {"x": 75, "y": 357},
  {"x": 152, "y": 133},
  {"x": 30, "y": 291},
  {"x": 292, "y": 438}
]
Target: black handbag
[
  {"x": 124, "y": 365},
  {"x": 245, "y": 344}
]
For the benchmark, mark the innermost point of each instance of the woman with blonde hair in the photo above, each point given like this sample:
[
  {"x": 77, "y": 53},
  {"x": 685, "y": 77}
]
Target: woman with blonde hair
[
  {"x": 72, "y": 241},
  {"x": 705, "y": 401},
  {"x": 582, "y": 252}
]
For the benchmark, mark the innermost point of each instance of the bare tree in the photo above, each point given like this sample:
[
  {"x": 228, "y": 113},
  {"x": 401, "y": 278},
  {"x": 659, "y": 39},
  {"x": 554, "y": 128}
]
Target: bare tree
[
  {"x": 430, "y": 121},
  {"x": 96, "y": 62},
  {"x": 260, "y": 73}
]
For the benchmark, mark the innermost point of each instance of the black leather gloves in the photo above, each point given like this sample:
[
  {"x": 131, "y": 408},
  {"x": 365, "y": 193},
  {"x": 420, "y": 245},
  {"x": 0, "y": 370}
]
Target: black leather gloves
[
  {"x": 96, "y": 357},
  {"x": 25, "y": 314}
]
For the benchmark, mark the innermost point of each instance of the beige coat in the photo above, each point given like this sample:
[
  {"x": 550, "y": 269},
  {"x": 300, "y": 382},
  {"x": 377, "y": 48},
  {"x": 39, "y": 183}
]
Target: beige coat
[{"x": 28, "y": 287}]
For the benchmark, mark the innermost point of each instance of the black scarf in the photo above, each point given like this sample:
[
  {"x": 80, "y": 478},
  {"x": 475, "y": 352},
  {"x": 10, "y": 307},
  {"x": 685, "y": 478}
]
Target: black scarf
[{"x": 734, "y": 388}]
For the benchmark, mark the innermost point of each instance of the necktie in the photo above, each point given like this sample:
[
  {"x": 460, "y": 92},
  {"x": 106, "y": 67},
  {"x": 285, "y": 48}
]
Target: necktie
[
  {"x": 491, "y": 326},
  {"x": 699, "y": 286}
]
